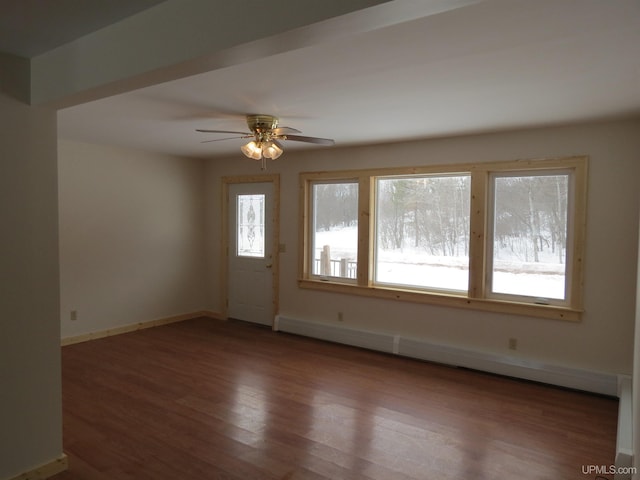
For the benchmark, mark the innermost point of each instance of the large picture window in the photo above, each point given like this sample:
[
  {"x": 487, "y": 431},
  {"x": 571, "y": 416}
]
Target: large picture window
[
  {"x": 422, "y": 231},
  {"x": 503, "y": 236}
]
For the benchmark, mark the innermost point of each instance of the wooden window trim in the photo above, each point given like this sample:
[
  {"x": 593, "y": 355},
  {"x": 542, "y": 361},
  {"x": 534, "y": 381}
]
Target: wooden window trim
[{"x": 476, "y": 297}]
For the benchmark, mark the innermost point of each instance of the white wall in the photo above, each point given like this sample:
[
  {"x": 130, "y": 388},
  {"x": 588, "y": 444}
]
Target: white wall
[
  {"x": 636, "y": 382},
  {"x": 131, "y": 236},
  {"x": 30, "y": 395},
  {"x": 602, "y": 341}
]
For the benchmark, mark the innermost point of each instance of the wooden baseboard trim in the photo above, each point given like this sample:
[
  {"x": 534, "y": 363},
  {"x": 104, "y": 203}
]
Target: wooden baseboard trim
[
  {"x": 211, "y": 314},
  {"x": 132, "y": 327},
  {"x": 47, "y": 470}
]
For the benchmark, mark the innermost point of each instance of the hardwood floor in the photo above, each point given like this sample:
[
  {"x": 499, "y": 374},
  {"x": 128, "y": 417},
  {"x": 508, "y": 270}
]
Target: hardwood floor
[{"x": 205, "y": 399}]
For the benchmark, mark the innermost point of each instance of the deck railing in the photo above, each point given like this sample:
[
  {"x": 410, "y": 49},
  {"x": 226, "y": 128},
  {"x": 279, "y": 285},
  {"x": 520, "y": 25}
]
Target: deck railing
[{"x": 330, "y": 267}]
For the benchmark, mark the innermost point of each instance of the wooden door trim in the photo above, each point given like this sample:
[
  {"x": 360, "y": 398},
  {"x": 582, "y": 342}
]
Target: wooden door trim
[{"x": 275, "y": 238}]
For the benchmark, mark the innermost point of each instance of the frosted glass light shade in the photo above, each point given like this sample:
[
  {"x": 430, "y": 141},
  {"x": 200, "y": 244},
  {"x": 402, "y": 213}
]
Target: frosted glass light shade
[
  {"x": 252, "y": 150},
  {"x": 271, "y": 150}
]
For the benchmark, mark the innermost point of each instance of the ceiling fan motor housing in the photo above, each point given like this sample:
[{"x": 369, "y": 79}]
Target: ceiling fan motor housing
[{"x": 262, "y": 123}]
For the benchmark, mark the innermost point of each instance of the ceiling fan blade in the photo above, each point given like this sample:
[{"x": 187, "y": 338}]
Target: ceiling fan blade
[
  {"x": 227, "y": 138},
  {"x": 285, "y": 130},
  {"x": 319, "y": 141},
  {"x": 221, "y": 131}
]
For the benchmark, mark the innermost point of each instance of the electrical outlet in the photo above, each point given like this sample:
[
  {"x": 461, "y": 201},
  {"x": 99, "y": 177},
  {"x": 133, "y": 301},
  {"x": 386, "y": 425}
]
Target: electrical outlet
[
  {"x": 340, "y": 317},
  {"x": 513, "y": 344},
  {"x": 73, "y": 316}
]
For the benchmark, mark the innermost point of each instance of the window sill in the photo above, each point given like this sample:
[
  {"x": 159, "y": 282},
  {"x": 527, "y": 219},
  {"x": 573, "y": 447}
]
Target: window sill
[{"x": 440, "y": 299}]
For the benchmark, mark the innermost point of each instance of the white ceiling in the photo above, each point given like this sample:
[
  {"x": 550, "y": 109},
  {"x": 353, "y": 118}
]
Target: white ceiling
[{"x": 488, "y": 66}]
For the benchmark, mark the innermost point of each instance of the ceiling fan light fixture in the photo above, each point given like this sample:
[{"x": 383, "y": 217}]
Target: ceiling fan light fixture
[{"x": 267, "y": 136}]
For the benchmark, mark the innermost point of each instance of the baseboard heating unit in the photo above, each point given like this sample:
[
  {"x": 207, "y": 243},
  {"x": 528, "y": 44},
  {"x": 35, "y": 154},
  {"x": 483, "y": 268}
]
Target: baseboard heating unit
[
  {"x": 624, "y": 440},
  {"x": 421, "y": 349}
]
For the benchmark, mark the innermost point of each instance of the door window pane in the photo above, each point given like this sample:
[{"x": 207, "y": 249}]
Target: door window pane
[
  {"x": 250, "y": 234},
  {"x": 530, "y": 235},
  {"x": 422, "y": 232},
  {"x": 335, "y": 230}
]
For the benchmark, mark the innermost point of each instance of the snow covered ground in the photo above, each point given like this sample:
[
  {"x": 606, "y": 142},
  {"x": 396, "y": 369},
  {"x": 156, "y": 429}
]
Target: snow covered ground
[{"x": 415, "y": 267}]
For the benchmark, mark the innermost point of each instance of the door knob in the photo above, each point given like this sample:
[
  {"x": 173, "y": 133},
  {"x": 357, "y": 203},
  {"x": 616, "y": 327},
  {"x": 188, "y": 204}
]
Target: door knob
[{"x": 269, "y": 265}]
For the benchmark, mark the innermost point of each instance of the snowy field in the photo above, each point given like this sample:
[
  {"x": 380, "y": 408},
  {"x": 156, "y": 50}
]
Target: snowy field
[{"x": 415, "y": 267}]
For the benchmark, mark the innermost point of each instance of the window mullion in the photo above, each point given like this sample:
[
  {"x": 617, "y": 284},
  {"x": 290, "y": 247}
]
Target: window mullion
[
  {"x": 478, "y": 234},
  {"x": 365, "y": 249},
  {"x": 304, "y": 230}
]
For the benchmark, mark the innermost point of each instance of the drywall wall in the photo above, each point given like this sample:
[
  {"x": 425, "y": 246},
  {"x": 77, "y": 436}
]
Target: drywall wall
[
  {"x": 30, "y": 398},
  {"x": 131, "y": 237},
  {"x": 635, "y": 390},
  {"x": 602, "y": 341}
]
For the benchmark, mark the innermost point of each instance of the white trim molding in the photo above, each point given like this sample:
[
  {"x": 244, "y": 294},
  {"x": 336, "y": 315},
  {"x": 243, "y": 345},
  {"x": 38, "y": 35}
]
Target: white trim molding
[{"x": 624, "y": 439}]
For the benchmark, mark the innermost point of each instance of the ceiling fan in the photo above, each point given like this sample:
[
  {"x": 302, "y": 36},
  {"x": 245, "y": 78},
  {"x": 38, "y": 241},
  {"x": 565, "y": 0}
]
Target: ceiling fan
[{"x": 266, "y": 135}]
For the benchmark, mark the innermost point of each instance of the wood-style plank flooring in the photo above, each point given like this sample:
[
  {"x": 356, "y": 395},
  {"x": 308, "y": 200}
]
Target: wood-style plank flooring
[{"x": 206, "y": 399}]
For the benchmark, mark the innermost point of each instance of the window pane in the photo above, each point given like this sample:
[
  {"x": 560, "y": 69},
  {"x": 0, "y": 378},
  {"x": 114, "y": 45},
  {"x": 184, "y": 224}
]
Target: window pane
[
  {"x": 530, "y": 235},
  {"x": 335, "y": 229},
  {"x": 250, "y": 226},
  {"x": 422, "y": 232}
]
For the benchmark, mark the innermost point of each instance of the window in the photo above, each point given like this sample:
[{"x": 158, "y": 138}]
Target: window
[
  {"x": 250, "y": 238},
  {"x": 528, "y": 251},
  {"x": 502, "y": 236},
  {"x": 335, "y": 229},
  {"x": 422, "y": 231}
]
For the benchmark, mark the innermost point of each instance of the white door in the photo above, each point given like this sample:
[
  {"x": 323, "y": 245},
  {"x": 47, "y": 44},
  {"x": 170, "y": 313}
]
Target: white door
[{"x": 250, "y": 257}]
